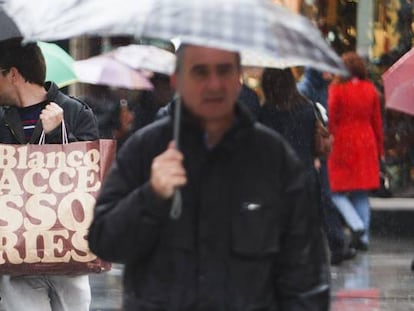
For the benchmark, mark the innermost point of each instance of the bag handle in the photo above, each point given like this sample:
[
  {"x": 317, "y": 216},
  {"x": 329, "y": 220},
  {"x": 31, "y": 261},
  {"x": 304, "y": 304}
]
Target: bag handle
[
  {"x": 65, "y": 141},
  {"x": 317, "y": 107}
]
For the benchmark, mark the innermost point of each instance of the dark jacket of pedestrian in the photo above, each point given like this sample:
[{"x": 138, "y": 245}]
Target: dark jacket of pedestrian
[
  {"x": 314, "y": 86},
  {"x": 289, "y": 113},
  {"x": 249, "y": 98},
  {"x": 106, "y": 108},
  {"x": 79, "y": 120},
  {"x": 242, "y": 241}
]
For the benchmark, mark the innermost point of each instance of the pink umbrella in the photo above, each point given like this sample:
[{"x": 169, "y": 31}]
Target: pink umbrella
[
  {"x": 399, "y": 84},
  {"x": 146, "y": 57},
  {"x": 105, "y": 70}
]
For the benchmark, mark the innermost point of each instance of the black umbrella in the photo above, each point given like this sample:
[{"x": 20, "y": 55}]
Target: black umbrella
[{"x": 8, "y": 27}]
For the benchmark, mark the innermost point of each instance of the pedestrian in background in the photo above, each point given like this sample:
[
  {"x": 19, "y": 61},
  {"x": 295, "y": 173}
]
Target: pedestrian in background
[
  {"x": 105, "y": 106},
  {"x": 243, "y": 240},
  {"x": 112, "y": 110},
  {"x": 149, "y": 103},
  {"x": 28, "y": 106},
  {"x": 314, "y": 86},
  {"x": 355, "y": 121},
  {"x": 289, "y": 113},
  {"x": 249, "y": 98}
]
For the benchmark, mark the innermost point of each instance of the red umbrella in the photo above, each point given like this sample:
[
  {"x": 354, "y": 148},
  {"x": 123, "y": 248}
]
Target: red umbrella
[{"x": 399, "y": 84}]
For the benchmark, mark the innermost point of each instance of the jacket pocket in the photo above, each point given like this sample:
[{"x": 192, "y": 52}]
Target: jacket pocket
[{"x": 255, "y": 230}]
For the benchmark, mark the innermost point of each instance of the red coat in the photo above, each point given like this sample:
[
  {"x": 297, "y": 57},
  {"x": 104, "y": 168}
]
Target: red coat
[{"x": 355, "y": 121}]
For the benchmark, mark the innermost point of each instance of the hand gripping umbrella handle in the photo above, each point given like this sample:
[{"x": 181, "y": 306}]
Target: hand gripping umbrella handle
[{"x": 177, "y": 203}]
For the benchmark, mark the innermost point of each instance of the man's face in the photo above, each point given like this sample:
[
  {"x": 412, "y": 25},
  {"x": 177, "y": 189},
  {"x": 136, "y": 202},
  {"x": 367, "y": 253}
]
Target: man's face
[{"x": 209, "y": 82}]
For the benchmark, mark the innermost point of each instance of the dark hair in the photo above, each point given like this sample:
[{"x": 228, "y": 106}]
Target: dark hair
[
  {"x": 355, "y": 65},
  {"x": 26, "y": 58},
  {"x": 180, "y": 54},
  {"x": 279, "y": 88}
]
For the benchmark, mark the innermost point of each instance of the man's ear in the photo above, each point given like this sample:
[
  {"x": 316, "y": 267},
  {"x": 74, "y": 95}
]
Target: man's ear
[{"x": 14, "y": 74}]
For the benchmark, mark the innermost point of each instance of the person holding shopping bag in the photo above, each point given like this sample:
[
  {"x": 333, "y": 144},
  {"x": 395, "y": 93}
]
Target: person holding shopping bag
[{"x": 28, "y": 107}]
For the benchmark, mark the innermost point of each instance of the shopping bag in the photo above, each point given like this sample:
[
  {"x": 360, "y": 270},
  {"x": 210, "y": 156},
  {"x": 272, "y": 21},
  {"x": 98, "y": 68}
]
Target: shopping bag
[
  {"x": 323, "y": 139},
  {"x": 47, "y": 197}
]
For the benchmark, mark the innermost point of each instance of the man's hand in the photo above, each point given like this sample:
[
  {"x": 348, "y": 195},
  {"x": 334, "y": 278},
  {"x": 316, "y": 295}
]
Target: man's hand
[
  {"x": 167, "y": 172},
  {"x": 51, "y": 117}
]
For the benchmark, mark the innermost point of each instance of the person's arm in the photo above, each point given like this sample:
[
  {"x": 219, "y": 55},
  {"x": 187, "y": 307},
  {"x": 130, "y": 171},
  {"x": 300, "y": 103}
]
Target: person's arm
[
  {"x": 80, "y": 122},
  {"x": 130, "y": 212},
  {"x": 302, "y": 277},
  {"x": 84, "y": 125}
]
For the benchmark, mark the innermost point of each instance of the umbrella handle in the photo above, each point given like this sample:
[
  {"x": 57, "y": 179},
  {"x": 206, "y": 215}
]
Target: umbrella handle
[
  {"x": 177, "y": 203},
  {"x": 177, "y": 121},
  {"x": 176, "y": 207}
]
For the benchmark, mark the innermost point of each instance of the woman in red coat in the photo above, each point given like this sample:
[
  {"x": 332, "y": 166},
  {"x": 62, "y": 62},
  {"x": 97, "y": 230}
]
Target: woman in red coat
[{"x": 355, "y": 121}]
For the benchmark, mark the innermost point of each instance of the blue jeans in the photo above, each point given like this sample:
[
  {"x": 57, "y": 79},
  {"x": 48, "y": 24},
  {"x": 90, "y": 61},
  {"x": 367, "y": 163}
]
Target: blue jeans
[
  {"x": 355, "y": 209},
  {"x": 45, "y": 293}
]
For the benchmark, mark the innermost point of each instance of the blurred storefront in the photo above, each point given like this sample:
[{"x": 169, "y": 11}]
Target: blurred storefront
[{"x": 381, "y": 31}]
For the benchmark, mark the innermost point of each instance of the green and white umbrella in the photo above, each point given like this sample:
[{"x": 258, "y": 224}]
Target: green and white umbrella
[{"x": 59, "y": 64}]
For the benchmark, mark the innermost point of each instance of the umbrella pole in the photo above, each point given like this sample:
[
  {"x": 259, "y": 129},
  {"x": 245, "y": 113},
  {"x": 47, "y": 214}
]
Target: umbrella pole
[
  {"x": 176, "y": 207},
  {"x": 177, "y": 121}
]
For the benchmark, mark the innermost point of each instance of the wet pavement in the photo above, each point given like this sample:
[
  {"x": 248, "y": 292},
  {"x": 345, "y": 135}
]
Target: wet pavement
[
  {"x": 380, "y": 279},
  {"x": 106, "y": 290}
]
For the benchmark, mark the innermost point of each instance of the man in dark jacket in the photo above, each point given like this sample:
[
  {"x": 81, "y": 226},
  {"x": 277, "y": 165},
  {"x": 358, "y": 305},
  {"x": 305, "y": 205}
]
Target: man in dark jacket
[
  {"x": 244, "y": 239},
  {"x": 28, "y": 107}
]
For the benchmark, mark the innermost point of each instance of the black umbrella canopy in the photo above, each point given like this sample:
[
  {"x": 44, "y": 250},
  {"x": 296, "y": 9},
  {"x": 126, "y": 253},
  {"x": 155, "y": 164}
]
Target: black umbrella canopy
[{"x": 8, "y": 28}]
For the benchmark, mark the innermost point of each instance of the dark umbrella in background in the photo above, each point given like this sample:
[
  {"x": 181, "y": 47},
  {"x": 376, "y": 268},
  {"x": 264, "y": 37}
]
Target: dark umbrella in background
[{"x": 8, "y": 27}]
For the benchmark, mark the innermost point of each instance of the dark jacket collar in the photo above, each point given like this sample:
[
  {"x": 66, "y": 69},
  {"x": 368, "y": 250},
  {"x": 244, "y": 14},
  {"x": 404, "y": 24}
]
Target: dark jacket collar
[{"x": 52, "y": 90}]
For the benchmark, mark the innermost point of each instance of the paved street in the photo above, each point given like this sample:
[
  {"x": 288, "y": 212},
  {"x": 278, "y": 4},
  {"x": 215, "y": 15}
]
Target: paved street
[
  {"x": 379, "y": 280},
  {"x": 107, "y": 290}
]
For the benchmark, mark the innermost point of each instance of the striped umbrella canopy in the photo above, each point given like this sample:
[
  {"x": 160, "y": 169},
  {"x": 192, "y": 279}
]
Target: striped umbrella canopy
[{"x": 259, "y": 28}]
